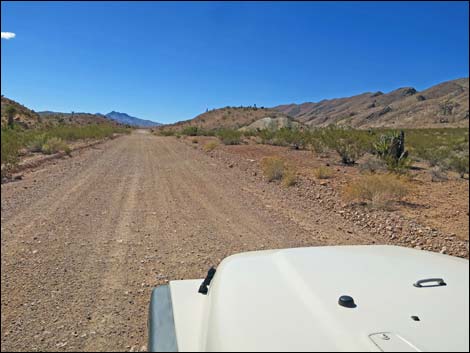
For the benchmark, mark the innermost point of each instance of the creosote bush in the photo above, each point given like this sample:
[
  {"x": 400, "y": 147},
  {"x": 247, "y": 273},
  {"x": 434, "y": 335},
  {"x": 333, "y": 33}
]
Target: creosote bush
[{"x": 229, "y": 136}]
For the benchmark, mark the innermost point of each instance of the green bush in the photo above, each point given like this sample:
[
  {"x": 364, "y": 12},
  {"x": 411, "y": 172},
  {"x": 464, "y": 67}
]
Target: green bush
[
  {"x": 190, "y": 131},
  {"x": 348, "y": 143},
  {"x": 460, "y": 163},
  {"x": 36, "y": 142},
  {"x": 166, "y": 132},
  {"x": 14, "y": 139},
  {"x": 10, "y": 144},
  {"x": 229, "y": 137}
]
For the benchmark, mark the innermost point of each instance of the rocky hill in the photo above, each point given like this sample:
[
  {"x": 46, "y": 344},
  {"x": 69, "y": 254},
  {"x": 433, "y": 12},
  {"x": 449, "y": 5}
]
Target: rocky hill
[
  {"x": 272, "y": 124},
  {"x": 228, "y": 118},
  {"x": 21, "y": 115},
  {"x": 442, "y": 105},
  {"x": 52, "y": 118},
  {"x": 28, "y": 118}
]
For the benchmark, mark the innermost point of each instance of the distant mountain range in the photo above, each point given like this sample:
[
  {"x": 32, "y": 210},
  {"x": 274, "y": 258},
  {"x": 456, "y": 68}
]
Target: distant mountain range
[
  {"x": 124, "y": 118},
  {"x": 121, "y": 118}
]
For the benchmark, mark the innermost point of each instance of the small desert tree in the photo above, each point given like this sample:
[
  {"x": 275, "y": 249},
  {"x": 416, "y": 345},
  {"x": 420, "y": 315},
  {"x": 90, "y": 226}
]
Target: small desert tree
[{"x": 11, "y": 111}]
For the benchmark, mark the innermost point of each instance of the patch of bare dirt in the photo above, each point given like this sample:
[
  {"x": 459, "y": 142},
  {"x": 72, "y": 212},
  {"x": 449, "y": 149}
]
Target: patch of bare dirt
[{"x": 434, "y": 216}]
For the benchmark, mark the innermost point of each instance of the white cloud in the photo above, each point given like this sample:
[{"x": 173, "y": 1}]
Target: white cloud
[{"x": 8, "y": 35}]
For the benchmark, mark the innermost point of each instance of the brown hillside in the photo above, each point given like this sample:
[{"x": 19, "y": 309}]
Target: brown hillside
[
  {"x": 23, "y": 116},
  {"x": 228, "y": 118},
  {"x": 443, "y": 105},
  {"x": 76, "y": 119},
  {"x": 28, "y": 118}
]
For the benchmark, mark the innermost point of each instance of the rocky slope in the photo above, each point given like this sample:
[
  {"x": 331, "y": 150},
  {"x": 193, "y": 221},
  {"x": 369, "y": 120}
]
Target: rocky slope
[
  {"x": 52, "y": 118},
  {"x": 272, "y": 124},
  {"x": 228, "y": 118},
  {"x": 22, "y": 115},
  {"x": 442, "y": 105}
]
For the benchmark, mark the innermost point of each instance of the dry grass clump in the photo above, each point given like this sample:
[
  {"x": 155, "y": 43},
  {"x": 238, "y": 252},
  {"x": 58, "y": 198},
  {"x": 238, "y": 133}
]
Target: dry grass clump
[
  {"x": 323, "y": 173},
  {"x": 290, "y": 177},
  {"x": 275, "y": 168},
  {"x": 378, "y": 190},
  {"x": 210, "y": 146},
  {"x": 372, "y": 164},
  {"x": 36, "y": 143}
]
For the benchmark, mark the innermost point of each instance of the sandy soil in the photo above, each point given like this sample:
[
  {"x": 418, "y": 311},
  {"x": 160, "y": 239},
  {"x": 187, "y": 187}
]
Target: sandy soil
[{"x": 85, "y": 239}]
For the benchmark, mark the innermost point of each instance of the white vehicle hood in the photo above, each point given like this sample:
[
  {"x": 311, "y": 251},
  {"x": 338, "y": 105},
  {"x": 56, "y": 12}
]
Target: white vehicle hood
[{"x": 287, "y": 300}]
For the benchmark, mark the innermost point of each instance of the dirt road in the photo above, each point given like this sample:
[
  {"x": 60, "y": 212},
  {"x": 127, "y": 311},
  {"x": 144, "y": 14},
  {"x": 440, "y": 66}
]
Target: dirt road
[{"x": 85, "y": 239}]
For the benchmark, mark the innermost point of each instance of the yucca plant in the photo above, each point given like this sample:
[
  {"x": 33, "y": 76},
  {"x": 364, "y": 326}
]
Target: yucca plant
[{"x": 391, "y": 148}]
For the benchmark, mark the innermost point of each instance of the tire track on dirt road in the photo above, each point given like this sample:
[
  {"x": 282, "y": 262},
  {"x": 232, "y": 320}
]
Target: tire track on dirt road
[{"x": 79, "y": 261}]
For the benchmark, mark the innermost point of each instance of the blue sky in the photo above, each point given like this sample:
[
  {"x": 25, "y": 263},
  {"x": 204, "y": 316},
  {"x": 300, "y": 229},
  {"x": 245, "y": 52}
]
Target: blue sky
[{"x": 170, "y": 61}]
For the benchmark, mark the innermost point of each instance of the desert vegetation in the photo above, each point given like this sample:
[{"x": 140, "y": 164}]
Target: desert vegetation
[
  {"x": 377, "y": 190},
  {"x": 393, "y": 150},
  {"x": 277, "y": 169},
  {"x": 210, "y": 146},
  {"x": 323, "y": 172},
  {"x": 16, "y": 140}
]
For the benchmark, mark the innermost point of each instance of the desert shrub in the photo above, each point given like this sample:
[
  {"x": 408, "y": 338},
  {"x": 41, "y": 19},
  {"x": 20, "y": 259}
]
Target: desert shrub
[
  {"x": 290, "y": 137},
  {"x": 10, "y": 112},
  {"x": 438, "y": 174},
  {"x": 11, "y": 144},
  {"x": 166, "y": 132},
  {"x": 54, "y": 145},
  {"x": 348, "y": 149},
  {"x": 435, "y": 156},
  {"x": 379, "y": 190},
  {"x": 323, "y": 173},
  {"x": 317, "y": 145},
  {"x": 190, "y": 131},
  {"x": 210, "y": 146},
  {"x": 348, "y": 143},
  {"x": 92, "y": 131},
  {"x": 36, "y": 143},
  {"x": 273, "y": 168},
  {"x": 266, "y": 136},
  {"x": 229, "y": 136},
  {"x": 460, "y": 163},
  {"x": 15, "y": 139},
  {"x": 289, "y": 177},
  {"x": 249, "y": 133},
  {"x": 372, "y": 164}
]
